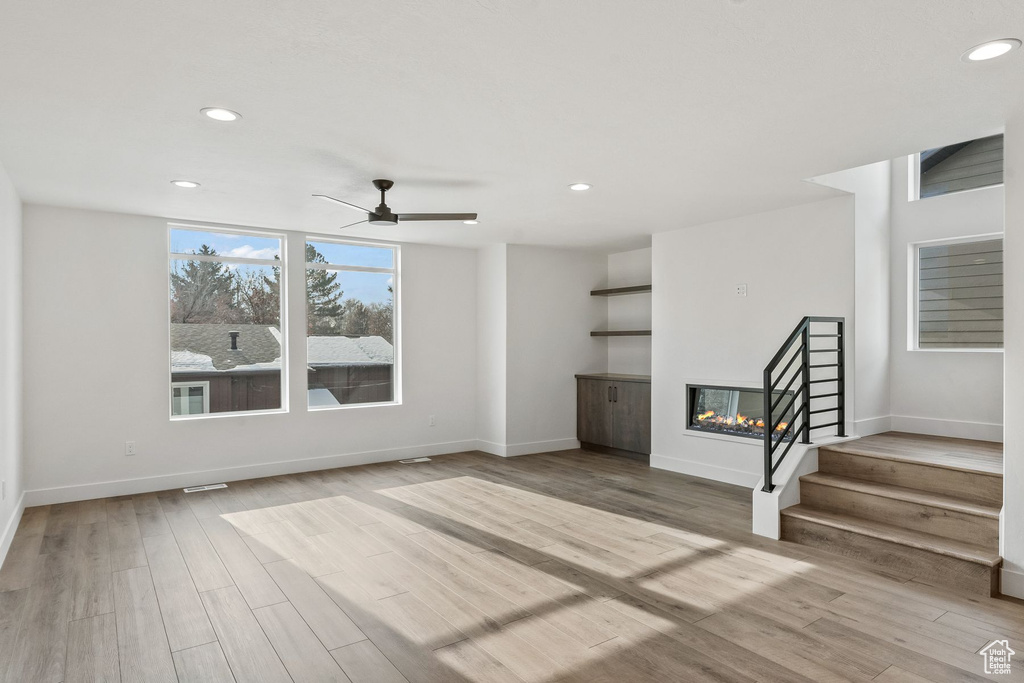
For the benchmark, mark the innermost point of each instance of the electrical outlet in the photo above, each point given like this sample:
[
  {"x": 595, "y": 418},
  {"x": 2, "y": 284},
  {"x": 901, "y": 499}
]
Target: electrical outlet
[
  {"x": 129, "y": 448},
  {"x": 433, "y": 421},
  {"x": 741, "y": 290}
]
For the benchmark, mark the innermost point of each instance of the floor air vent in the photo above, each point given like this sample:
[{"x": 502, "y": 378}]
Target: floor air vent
[
  {"x": 410, "y": 461},
  {"x": 206, "y": 487}
]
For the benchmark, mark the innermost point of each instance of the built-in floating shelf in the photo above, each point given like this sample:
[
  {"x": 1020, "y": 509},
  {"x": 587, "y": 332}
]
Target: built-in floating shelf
[
  {"x": 618, "y": 291},
  {"x": 620, "y": 333}
]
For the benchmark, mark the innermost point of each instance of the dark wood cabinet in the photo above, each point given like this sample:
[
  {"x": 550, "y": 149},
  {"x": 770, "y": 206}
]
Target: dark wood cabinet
[
  {"x": 613, "y": 413},
  {"x": 594, "y": 411}
]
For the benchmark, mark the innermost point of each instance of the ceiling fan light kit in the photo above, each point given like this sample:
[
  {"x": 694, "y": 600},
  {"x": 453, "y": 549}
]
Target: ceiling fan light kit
[{"x": 384, "y": 216}]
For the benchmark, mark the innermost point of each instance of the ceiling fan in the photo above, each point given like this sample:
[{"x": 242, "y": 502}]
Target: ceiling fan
[{"x": 383, "y": 215}]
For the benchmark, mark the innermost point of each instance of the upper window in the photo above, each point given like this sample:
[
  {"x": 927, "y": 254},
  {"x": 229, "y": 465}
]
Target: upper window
[
  {"x": 351, "y": 313},
  {"x": 963, "y": 166},
  {"x": 226, "y": 341},
  {"x": 960, "y": 295}
]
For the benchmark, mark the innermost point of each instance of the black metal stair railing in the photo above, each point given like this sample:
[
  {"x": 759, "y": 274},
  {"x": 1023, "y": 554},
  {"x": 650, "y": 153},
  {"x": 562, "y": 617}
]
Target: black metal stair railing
[{"x": 782, "y": 400}]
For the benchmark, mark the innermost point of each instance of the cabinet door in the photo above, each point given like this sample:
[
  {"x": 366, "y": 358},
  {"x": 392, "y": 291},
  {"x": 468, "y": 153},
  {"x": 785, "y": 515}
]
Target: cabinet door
[
  {"x": 593, "y": 412},
  {"x": 631, "y": 417}
]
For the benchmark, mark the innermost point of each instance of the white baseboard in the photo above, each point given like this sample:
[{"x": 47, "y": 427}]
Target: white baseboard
[
  {"x": 1011, "y": 583},
  {"x": 512, "y": 450},
  {"x": 705, "y": 471},
  {"x": 12, "y": 526},
  {"x": 873, "y": 425},
  {"x": 491, "y": 447},
  {"x": 124, "y": 487},
  {"x": 953, "y": 428}
]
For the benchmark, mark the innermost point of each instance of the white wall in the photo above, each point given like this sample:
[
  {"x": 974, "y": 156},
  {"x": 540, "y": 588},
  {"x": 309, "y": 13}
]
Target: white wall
[
  {"x": 1012, "y": 536},
  {"x": 96, "y": 355},
  {"x": 10, "y": 361},
  {"x": 871, "y": 187},
  {"x": 492, "y": 346},
  {"x": 629, "y": 355},
  {"x": 550, "y": 316},
  {"x": 949, "y": 393},
  {"x": 795, "y": 262}
]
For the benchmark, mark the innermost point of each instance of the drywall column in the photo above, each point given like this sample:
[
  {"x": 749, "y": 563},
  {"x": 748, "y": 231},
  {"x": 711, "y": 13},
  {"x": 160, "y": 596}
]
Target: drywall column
[
  {"x": 10, "y": 362},
  {"x": 535, "y": 314},
  {"x": 492, "y": 343},
  {"x": 868, "y": 357},
  {"x": 1012, "y": 532},
  {"x": 550, "y": 314}
]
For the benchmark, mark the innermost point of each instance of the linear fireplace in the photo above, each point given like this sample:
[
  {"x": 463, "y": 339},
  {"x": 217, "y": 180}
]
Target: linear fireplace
[{"x": 736, "y": 411}]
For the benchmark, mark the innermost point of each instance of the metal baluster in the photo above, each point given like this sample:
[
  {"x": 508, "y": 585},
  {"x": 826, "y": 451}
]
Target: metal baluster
[{"x": 805, "y": 386}]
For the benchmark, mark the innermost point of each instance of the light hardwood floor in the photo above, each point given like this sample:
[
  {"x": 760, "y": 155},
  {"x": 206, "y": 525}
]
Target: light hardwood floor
[{"x": 570, "y": 566}]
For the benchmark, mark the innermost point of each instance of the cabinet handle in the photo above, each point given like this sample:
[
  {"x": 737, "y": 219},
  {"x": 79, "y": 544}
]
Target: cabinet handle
[
  {"x": 609, "y": 393},
  {"x": 616, "y": 394}
]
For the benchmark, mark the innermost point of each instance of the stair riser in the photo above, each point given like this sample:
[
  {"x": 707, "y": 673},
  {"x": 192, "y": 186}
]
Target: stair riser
[
  {"x": 967, "y": 485},
  {"x": 921, "y": 564},
  {"x": 983, "y": 531}
]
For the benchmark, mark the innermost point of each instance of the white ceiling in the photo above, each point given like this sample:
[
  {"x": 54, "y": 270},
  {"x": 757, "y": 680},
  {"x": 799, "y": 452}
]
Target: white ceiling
[{"x": 678, "y": 111}]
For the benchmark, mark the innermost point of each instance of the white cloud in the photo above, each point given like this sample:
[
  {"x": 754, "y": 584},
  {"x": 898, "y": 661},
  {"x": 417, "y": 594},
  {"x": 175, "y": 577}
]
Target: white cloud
[{"x": 249, "y": 251}]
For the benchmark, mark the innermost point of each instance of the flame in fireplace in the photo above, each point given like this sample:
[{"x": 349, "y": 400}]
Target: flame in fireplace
[{"x": 740, "y": 424}]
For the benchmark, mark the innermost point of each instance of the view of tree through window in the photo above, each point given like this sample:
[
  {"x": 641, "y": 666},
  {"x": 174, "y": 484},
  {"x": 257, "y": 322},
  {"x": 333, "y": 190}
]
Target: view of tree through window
[
  {"x": 226, "y": 342},
  {"x": 350, "y": 306}
]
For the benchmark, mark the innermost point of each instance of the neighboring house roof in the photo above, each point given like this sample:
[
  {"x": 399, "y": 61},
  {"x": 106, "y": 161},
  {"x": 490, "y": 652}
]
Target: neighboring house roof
[
  {"x": 349, "y": 351},
  {"x": 206, "y": 348}
]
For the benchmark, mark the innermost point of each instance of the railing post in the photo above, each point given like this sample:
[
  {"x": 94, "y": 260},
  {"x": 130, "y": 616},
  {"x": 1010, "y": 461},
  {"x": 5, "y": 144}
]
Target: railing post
[
  {"x": 767, "y": 488},
  {"x": 805, "y": 368},
  {"x": 841, "y": 375}
]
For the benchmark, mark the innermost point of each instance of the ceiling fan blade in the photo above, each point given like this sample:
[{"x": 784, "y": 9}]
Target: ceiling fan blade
[
  {"x": 351, "y": 224},
  {"x": 436, "y": 216},
  {"x": 351, "y": 206}
]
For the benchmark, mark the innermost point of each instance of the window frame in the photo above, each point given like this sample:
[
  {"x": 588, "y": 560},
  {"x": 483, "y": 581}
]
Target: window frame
[
  {"x": 283, "y": 294},
  {"x": 396, "y": 327},
  {"x": 188, "y": 385},
  {"x": 914, "y": 293}
]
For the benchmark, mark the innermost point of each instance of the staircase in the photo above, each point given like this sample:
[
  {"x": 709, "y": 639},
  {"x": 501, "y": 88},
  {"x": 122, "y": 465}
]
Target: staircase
[{"x": 921, "y": 506}]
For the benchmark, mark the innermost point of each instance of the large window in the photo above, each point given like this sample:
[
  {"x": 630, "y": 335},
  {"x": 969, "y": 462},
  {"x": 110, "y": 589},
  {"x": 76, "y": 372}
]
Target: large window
[
  {"x": 960, "y": 295},
  {"x": 226, "y": 336},
  {"x": 351, "y": 323},
  {"x": 955, "y": 168}
]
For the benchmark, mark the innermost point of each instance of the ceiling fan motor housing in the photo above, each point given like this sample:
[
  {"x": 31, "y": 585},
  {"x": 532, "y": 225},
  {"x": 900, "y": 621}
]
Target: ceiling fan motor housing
[{"x": 384, "y": 216}]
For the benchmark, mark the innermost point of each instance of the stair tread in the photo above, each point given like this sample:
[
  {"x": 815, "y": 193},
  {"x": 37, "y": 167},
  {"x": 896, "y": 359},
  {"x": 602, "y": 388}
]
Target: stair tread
[
  {"x": 965, "y": 455},
  {"x": 899, "y": 535},
  {"x": 918, "y": 496}
]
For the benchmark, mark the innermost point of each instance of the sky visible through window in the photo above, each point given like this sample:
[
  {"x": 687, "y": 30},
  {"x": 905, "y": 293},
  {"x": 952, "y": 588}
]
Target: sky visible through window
[
  {"x": 225, "y": 244},
  {"x": 366, "y": 287}
]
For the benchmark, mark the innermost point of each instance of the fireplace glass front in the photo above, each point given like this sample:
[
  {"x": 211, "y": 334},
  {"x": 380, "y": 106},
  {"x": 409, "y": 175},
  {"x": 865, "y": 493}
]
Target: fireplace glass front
[{"x": 735, "y": 411}]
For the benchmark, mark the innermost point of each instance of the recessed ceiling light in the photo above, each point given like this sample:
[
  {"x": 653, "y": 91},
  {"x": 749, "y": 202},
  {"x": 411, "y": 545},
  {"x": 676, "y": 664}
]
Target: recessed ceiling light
[
  {"x": 579, "y": 187},
  {"x": 990, "y": 50},
  {"x": 218, "y": 114},
  {"x": 470, "y": 222},
  {"x": 184, "y": 183}
]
